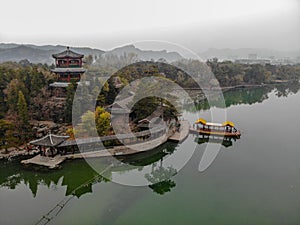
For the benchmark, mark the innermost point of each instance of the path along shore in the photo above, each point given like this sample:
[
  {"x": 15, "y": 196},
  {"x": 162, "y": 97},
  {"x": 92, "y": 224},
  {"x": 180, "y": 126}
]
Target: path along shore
[{"x": 54, "y": 162}]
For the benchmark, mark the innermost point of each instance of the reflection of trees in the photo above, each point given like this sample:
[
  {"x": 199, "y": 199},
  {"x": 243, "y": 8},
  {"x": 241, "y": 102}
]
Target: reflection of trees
[
  {"x": 75, "y": 175},
  {"x": 285, "y": 90},
  {"x": 163, "y": 186},
  {"x": 160, "y": 178},
  {"x": 247, "y": 96}
]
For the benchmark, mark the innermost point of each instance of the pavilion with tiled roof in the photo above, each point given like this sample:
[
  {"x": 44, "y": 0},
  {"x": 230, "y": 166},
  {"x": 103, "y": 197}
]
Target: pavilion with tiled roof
[
  {"x": 67, "y": 54},
  {"x": 50, "y": 141},
  {"x": 68, "y": 66}
]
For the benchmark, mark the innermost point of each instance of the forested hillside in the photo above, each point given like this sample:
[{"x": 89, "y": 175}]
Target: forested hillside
[{"x": 25, "y": 94}]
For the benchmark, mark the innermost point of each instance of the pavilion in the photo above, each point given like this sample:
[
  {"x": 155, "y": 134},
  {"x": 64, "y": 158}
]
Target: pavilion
[{"x": 49, "y": 142}]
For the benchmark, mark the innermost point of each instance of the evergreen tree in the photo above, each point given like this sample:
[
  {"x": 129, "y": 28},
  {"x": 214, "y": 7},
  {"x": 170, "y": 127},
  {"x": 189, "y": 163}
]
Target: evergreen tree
[
  {"x": 23, "y": 117},
  {"x": 13, "y": 93},
  {"x": 37, "y": 83},
  {"x": 22, "y": 110},
  {"x": 71, "y": 89}
]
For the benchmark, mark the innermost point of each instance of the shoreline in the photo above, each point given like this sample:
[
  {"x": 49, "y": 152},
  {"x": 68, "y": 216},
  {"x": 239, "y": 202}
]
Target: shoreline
[
  {"x": 14, "y": 152},
  {"x": 53, "y": 162}
]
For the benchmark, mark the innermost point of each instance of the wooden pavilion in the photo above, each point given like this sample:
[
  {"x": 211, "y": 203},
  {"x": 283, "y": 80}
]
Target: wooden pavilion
[
  {"x": 48, "y": 144},
  {"x": 68, "y": 66}
]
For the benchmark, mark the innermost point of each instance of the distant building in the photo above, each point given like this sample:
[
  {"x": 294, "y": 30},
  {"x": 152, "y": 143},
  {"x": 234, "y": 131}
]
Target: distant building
[
  {"x": 252, "y": 56},
  {"x": 68, "y": 66},
  {"x": 253, "y": 61}
]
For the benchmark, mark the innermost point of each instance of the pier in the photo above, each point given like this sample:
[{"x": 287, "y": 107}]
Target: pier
[
  {"x": 181, "y": 135},
  {"x": 50, "y": 162}
]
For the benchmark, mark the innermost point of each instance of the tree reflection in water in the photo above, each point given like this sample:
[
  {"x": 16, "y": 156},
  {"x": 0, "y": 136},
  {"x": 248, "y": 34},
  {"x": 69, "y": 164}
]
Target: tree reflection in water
[
  {"x": 249, "y": 96},
  {"x": 74, "y": 174}
]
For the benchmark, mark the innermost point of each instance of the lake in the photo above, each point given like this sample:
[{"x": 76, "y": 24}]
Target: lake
[{"x": 252, "y": 180}]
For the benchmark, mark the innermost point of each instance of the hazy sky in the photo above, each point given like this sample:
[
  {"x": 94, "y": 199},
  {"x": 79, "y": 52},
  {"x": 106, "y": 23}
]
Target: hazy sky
[{"x": 198, "y": 25}]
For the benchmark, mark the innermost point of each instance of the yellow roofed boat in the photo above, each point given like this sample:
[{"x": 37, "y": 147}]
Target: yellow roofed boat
[{"x": 226, "y": 129}]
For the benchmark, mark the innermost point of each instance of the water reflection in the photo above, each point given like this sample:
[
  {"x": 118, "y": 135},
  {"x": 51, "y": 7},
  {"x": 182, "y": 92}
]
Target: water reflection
[
  {"x": 75, "y": 173},
  {"x": 13, "y": 174},
  {"x": 247, "y": 96},
  {"x": 225, "y": 141},
  {"x": 286, "y": 90},
  {"x": 258, "y": 178},
  {"x": 160, "y": 178}
]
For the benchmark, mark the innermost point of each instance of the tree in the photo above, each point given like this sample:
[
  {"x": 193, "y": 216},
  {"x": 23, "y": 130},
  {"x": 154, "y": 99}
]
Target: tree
[
  {"x": 5, "y": 129},
  {"x": 71, "y": 89},
  {"x": 37, "y": 83},
  {"x": 13, "y": 93},
  {"x": 256, "y": 74},
  {"x": 23, "y": 122},
  {"x": 22, "y": 110},
  {"x": 86, "y": 127},
  {"x": 102, "y": 119}
]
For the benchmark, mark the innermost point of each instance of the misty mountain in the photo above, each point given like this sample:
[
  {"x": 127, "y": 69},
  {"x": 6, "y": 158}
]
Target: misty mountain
[
  {"x": 38, "y": 54},
  {"x": 231, "y": 54},
  {"x": 145, "y": 55},
  {"x": 43, "y": 54}
]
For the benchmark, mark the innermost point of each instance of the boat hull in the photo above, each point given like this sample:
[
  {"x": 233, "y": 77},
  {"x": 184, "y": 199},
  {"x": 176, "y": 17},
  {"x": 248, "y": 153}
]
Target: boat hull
[{"x": 216, "y": 133}]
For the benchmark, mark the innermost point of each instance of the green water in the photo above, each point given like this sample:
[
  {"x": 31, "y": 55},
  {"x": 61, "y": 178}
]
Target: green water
[{"x": 253, "y": 180}]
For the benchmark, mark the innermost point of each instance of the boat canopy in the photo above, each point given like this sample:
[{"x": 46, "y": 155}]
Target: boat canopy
[
  {"x": 203, "y": 122},
  {"x": 228, "y": 123}
]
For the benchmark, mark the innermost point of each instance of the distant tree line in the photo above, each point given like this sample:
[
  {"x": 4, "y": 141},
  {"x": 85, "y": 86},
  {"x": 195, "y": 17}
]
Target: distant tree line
[{"x": 230, "y": 74}]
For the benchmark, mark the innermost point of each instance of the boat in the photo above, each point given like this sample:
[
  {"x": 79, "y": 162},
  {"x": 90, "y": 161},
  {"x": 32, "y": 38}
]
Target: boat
[{"x": 226, "y": 129}]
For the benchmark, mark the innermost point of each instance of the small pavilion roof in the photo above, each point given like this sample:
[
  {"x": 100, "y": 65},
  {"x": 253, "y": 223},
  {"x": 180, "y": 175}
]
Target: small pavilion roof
[
  {"x": 67, "y": 54},
  {"x": 49, "y": 140}
]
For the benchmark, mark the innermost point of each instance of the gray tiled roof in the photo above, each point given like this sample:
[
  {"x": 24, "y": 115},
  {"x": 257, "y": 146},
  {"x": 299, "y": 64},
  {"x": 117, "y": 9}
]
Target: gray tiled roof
[
  {"x": 49, "y": 140},
  {"x": 67, "y": 54}
]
